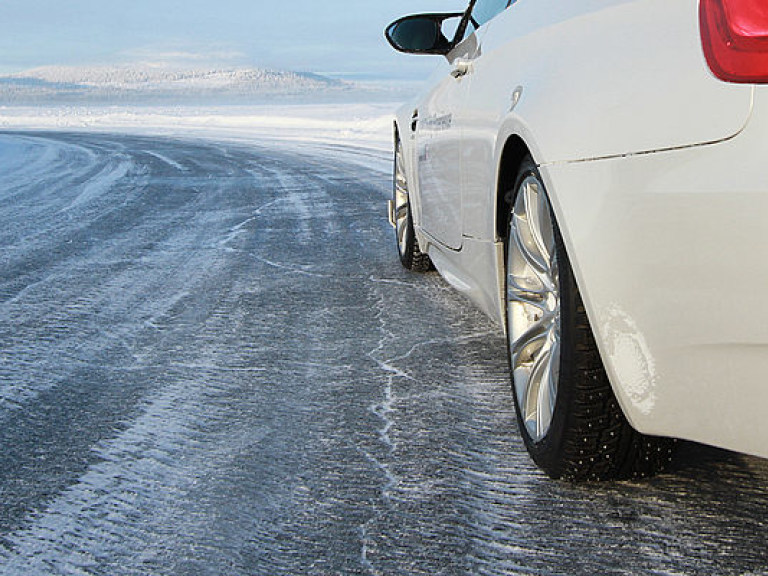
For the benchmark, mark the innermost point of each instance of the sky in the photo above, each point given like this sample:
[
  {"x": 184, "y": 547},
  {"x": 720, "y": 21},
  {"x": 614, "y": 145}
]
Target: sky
[{"x": 342, "y": 38}]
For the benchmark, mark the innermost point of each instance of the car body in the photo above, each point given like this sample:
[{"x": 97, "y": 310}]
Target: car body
[{"x": 655, "y": 164}]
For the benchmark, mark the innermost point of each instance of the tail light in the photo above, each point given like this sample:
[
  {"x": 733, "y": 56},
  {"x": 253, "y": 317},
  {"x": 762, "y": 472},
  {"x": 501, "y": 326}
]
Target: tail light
[{"x": 734, "y": 34}]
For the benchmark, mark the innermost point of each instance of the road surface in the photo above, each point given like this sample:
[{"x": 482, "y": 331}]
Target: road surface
[{"x": 212, "y": 363}]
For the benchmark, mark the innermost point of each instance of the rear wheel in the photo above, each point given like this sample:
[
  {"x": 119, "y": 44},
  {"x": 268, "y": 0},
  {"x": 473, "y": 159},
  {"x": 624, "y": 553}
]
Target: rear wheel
[
  {"x": 411, "y": 257},
  {"x": 568, "y": 415}
]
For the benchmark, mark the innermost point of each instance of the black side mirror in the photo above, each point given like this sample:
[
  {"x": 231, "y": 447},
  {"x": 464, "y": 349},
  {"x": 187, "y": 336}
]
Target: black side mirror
[{"x": 421, "y": 34}]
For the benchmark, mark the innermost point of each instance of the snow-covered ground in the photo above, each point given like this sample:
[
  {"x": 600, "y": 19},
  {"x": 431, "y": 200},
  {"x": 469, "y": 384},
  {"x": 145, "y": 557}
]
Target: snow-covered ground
[{"x": 362, "y": 129}]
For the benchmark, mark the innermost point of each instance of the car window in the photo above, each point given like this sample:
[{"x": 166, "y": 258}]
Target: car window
[{"x": 484, "y": 10}]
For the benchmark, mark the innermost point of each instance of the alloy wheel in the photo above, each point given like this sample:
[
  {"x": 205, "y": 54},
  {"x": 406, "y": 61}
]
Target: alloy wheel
[{"x": 533, "y": 307}]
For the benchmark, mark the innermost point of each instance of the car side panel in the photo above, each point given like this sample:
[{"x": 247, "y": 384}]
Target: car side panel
[{"x": 438, "y": 161}]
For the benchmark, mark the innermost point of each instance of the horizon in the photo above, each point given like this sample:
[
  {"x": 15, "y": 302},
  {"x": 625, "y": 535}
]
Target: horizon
[
  {"x": 181, "y": 67},
  {"x": 143, "y": 85}
]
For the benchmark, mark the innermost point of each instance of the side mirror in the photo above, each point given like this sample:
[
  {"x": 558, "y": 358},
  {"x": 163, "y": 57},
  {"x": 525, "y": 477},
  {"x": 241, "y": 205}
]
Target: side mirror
[{"x": 421, "y": 34}]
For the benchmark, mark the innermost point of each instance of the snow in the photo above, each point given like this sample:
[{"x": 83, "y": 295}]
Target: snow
[
  {"x": 361, "y": 129},
  {"x": 142, "y": 84},
  {"x": 134, "y": 76},
  {"x": 249, "y": 105}
]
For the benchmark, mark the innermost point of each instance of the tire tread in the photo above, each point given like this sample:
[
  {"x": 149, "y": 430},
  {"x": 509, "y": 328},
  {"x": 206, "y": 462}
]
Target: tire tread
[{"x": 420, "y": 262}]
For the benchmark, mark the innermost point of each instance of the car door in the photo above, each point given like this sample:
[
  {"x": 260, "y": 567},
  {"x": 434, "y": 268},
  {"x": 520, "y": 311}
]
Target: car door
[
  {"x": 438, "y": 153},
  {"x": 440, "y": 122}
]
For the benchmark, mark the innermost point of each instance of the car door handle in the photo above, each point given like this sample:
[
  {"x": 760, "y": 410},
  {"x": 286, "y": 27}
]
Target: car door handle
[{"x": 461, "y": 68}]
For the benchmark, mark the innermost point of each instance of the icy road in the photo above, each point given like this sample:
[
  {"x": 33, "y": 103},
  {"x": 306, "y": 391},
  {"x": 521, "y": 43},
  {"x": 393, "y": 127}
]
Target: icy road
[{"x": 211, "y": 363}]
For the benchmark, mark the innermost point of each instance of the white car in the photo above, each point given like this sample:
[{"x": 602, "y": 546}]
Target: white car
[{"x": 594, "y": 175}]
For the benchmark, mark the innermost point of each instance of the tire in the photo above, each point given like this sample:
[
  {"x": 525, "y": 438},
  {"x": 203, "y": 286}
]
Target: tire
[
  {"x": 568, "y": 415},
  {"x": 411, "y": 257}
]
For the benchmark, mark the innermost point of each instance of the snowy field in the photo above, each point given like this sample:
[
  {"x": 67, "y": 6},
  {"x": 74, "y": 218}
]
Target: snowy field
[
  {"x": 360, "y": 130},
  {"x": 365, "y": 123}
]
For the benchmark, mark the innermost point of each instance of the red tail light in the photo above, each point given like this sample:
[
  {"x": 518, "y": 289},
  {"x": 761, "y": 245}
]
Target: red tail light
[{"x": 734, "y": 34}]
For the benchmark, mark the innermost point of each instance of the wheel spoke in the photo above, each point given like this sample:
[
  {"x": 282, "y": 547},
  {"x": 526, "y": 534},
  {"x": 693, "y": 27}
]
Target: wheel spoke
[
  {"x": 526, "y": 245},
  {"x": 538, "y": 249},
  {"x": 400, "y": 181},
  {"x": 529, "y": 343},
  {"x": 533, "y": 268},
  {"x": 542, "y": 228},
  {"x": 524, "y": 295},
  {"x": 532, "y": 397}
]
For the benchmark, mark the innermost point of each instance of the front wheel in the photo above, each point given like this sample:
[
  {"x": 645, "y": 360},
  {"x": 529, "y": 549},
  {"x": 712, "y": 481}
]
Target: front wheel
[
  {"x": 567, "y": 412},
  {"x": 411, "y": 257}
]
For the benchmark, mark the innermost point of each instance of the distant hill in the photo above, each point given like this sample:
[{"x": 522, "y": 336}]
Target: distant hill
[{"x": 129, "y": 84}]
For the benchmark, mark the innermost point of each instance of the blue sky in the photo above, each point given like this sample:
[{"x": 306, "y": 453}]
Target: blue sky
[{"x": 337, "y": 37}]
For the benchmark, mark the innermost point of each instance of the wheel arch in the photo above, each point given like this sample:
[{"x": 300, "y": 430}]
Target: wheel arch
[{"x": 513, "y": 153}]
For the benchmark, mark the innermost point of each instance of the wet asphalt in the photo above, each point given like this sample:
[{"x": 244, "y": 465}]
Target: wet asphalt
[{"x": 212, "y": 363}]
